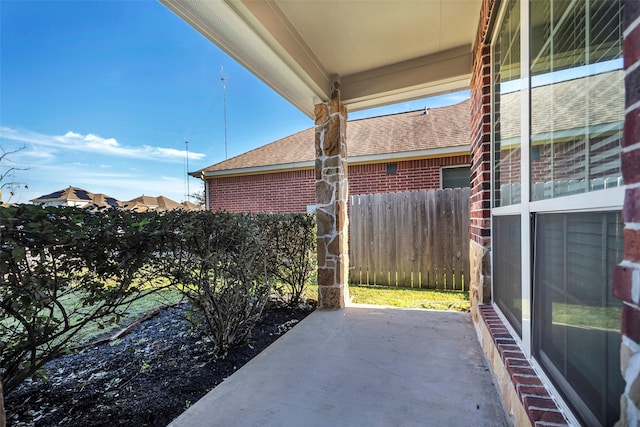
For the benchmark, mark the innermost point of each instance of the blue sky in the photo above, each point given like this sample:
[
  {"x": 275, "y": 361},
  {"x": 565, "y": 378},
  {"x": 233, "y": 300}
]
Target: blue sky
[{"x": 103, "y": 94}]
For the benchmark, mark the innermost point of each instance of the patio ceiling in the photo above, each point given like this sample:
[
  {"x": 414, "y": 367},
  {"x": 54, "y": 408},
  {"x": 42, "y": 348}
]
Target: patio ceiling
[{"x": 382, "y": 51}]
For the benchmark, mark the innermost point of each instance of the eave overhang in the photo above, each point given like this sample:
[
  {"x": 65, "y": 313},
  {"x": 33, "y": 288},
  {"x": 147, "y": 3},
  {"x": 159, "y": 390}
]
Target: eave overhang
[{"x": 266, "y": 41}]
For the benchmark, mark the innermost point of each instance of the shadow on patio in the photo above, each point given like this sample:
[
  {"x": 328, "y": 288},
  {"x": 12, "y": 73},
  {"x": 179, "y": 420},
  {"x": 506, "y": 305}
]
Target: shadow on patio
[{"x": 361, "y": 366}]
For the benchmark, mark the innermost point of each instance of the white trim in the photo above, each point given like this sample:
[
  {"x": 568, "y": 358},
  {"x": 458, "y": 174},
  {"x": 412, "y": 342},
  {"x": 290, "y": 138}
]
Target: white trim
[
  {"x": 259, "y": 169},
  {"x": 507, "y": 210},
  {"x": 525, "y": 190},
  {"x": 601, "y": 200},
  {"x": 507, "y": 325},
  {"x": 355, "y": 160}
]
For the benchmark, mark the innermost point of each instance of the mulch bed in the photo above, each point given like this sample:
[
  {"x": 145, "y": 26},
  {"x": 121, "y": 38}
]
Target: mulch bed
[{"x": 146, "y": 378}]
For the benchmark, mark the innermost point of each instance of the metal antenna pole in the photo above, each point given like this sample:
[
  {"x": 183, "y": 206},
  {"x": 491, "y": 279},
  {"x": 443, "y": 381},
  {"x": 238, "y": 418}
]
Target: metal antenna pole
[
  {"x": 186, "y": 143},
  {"x": 224, "y": 90}
]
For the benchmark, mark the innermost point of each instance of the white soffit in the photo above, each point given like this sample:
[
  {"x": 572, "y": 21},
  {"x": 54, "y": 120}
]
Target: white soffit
[{"x": 382, "y": 51}]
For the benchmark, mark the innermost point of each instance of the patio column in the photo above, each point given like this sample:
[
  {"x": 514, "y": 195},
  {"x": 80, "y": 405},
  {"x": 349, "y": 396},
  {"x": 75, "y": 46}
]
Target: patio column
[{"x": 332, "y": 195}]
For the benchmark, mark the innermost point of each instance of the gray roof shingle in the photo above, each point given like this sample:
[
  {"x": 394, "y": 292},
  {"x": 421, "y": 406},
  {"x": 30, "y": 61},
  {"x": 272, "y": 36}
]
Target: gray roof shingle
[{"x": 395, "y": 133}]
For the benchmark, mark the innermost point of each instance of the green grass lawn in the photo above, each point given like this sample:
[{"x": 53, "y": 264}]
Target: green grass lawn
[
  {"x": 135, "y": 310},
  {"x": 404, "y": 297}
]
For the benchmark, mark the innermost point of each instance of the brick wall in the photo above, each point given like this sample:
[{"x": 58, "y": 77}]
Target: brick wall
[
  {"x": 481, "y": 132},
  {"x": 288, "y": 191},
  {"x": 626, "y": 278},
  {"x": 292, "y": 191}
]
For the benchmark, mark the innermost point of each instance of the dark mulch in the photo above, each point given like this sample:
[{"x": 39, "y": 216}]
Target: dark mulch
[{"x": 147, "y": 378}]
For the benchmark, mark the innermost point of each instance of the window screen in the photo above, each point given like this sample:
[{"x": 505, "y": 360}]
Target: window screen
[
  {"x": 577, "y": 321},
  {"x": 507, "y": 270}
]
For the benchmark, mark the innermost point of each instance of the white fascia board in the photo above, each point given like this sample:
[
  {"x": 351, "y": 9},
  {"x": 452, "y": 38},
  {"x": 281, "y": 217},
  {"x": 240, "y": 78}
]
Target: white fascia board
[
  {"x": 233, "y": 28},
  {"x": 355, "y": 160},
  {"x": 259, "y": 169}
]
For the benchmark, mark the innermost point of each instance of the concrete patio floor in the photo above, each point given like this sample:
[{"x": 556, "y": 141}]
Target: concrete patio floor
[{"x": 361, "y": 366}]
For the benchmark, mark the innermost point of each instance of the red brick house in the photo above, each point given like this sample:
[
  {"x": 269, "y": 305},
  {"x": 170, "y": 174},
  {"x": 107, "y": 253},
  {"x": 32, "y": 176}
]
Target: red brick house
[
  {"x": 555, "y": 232},
  {"x": 415, "y": 150}
]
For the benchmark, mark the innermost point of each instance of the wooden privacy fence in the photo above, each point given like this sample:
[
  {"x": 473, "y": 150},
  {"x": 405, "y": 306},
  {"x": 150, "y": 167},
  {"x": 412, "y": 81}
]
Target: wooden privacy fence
[{"x": 418, "y": 239}]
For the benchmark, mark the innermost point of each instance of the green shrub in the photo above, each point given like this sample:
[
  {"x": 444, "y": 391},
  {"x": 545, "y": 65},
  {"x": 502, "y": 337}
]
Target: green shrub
[
  {"x": 221, "y": 263},
  {"x": 62, "y": 268},
  {"x": 291, "y": 241}
]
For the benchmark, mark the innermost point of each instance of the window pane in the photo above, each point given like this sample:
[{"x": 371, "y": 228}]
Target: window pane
[
  {"x": 577, "y": 97},
  {"x": 507, "y": 280},
  {"x": 456, "y": 177},
  {"x": 576, "y": 320},
  {"x": 506, "y": 108}
]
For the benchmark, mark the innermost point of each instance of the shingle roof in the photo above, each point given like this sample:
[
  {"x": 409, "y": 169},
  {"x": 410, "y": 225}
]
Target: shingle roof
[
  {"x": 69, "y": 193},
  {"x": 145, "y": 203},
  {"x": 395, "y": 133},
  {"x": 76, "y": 194}
]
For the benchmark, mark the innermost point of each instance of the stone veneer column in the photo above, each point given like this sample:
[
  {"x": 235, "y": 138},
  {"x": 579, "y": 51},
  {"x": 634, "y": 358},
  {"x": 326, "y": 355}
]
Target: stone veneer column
[
  {"x": 480, "y": 228},
  {"x": 332, "y": 195},
  {"x": 626, "y": 276}
]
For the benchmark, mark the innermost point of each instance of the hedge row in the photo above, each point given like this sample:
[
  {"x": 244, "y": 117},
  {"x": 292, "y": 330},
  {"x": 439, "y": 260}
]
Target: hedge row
[{"x": 64, "y": 267}]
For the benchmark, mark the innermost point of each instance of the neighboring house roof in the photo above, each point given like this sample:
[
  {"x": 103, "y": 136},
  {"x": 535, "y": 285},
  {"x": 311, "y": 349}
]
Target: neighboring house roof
[
  {"x": 149, "y": 203},
  {"x": 86, "y": 199},
  {"x": 192, "y": 206},
  {"x": 77, "y": 196},
  {"x": 403, "y": 135}
]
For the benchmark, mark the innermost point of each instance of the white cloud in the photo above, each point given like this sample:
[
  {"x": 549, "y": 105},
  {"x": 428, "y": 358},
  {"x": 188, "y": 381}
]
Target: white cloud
[{"x": 93, "y": 143}]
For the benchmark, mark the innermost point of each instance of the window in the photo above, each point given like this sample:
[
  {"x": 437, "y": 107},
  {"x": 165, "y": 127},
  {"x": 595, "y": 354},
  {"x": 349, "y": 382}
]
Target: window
[
  {"x": 506, "y": 108},
  {"x": 456, "y": 177},
  {"x": 557, "y": 115},
  {"x": 577, "y": 322},
  {"x": 392, "y": 168},
  {"x": 577, "y": 97},
  {"x": 506, "y": 97}
]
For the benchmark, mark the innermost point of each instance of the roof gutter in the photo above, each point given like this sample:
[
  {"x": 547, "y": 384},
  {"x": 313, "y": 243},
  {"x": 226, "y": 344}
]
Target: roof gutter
[{"x": 355, "y": 160}]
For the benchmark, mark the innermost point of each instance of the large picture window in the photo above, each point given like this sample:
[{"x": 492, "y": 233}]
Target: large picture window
[{"x": 557, "y": 116}]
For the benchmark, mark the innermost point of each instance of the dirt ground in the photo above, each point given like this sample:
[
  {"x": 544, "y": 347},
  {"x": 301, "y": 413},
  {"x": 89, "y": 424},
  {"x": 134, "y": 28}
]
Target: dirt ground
[{"x": 146, "y": 378}]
